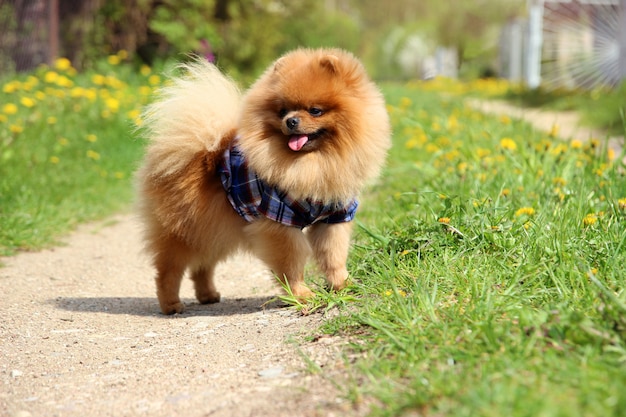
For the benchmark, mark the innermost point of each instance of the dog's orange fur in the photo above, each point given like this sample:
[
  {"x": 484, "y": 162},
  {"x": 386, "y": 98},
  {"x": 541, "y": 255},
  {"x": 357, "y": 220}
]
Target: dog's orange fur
[{"x": 190, "y": 224}]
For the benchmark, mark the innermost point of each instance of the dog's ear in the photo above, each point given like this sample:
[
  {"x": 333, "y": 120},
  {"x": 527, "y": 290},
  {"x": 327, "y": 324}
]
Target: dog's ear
[{"x": 330, "y": 63}]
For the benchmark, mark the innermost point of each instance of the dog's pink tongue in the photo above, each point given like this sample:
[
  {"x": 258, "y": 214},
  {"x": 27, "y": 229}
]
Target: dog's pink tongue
[{"x": 296, "y": 142}]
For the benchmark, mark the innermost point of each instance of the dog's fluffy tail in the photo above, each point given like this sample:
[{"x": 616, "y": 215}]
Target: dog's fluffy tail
[{"x": 192, "y": 114}]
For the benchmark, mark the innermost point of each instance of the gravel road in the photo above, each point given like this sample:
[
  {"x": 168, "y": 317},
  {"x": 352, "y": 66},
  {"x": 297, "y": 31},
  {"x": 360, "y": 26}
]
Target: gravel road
[{"x": 82, "y": 335}]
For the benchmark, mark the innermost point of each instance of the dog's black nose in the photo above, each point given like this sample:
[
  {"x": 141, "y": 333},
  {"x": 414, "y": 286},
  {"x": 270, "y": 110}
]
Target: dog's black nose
[{"x": 292, "y": 122}]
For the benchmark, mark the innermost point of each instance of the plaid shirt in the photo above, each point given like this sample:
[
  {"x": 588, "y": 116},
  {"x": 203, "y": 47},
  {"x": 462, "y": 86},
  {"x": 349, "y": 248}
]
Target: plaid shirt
[{"x": 252, "y": 198}]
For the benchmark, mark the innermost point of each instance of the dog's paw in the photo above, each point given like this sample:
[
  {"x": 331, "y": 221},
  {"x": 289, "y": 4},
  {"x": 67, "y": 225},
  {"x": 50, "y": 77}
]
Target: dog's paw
[
  {"x": 211, "y": 298},
  {"x": 174, "y": 308},
  {"x": 302, "y": 292}
]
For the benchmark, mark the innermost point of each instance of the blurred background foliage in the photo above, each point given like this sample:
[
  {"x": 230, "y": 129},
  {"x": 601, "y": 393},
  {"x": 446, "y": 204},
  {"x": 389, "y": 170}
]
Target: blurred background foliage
[{"x": 245, "y": 35}]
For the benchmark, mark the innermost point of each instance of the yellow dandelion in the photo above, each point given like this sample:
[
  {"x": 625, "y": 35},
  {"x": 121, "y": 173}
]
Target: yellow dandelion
[
  {"x": 119, "y": 175},
  {"x": 444, "y": 220},
  {"x": 610, "y": 154},
  {"x": 576, "y": 144},
  {"x": 528, "y": 211},
  {"x": 508, "y": 144},
  {"x": 98, "y": 79},
  {"x": 145, "y": 90},
  {"x": 63, "y": 81},
  {"x": 505, "y": 192},
  {"x": 559, "y": 181},
  {"x": 482, "y": 152},
  {"x": 9, "y": 108},
  {"x": 93, "y": 155},
  {"x": 11, "y": 87},
  {"x": 50, "y": 77},
  {"x": 92, "y": 138},
  {"x": 554, "y": 131},
  {"x": 622, "y": 203},
  {"x": 54, "y": 160},
  {"x": 51, "y": 120},
  {"x": 63, "y": 141},
  {"x": 62, "y": 64},
  {"x": 113, "y": 59},
  {"x": 590, "y": 219},
  {"x": 154, "y": 79},
  {"x": 16, "y": 129},
  {"x": 505, "y": 119},
  {"x": 112, "y": 104},
  {"x": 405, "y": 102},
  {"x": 3, "y": 118},
  {"x": 27, "y": 102},
  {"x": 145, "y": 70}
]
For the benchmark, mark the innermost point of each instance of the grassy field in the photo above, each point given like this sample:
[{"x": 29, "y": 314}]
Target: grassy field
[
  {"x": 488, "y": 270},
  {"x": 67, "y": 152},
  {"x": 488, "y": 274}
]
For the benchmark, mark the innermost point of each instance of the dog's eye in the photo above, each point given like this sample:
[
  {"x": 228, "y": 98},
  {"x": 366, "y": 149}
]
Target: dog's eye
[
  {"x": 316, "y": 111},
  {"x": 282, "y": 113}
]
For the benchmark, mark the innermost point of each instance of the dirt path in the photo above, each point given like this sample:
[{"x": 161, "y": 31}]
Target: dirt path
[
  {"x": 81, "y": 336},
  {"x": 568, "y": 122}
]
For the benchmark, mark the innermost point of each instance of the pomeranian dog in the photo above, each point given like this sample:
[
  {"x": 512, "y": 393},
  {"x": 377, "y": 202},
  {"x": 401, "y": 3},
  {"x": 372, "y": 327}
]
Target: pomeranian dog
[{"x": 276, "y": 171}]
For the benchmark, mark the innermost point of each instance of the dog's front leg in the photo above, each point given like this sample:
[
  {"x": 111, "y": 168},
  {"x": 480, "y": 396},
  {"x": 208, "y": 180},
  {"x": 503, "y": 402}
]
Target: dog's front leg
[
  {"x": 284, "y": 249},
  {"x": 330, "y": 243}
]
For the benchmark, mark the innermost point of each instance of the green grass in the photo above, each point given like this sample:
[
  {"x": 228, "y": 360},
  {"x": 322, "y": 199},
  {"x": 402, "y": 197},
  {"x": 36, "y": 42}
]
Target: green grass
[
  {"x": 67, "y": 152},
  {"x": 488, "y": 270}
]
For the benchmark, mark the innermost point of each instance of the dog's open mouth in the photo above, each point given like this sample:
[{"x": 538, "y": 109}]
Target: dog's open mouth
[{"x": 299, "y": 141}]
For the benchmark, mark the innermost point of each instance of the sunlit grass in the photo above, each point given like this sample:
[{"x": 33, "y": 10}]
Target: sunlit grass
[{"x": 488, "y": 269}]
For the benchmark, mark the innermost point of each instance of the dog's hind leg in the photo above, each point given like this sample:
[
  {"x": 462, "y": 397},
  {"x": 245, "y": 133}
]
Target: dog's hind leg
[
  {"x": 202, "y": 278},
  {"x": 171, "y": 261}
]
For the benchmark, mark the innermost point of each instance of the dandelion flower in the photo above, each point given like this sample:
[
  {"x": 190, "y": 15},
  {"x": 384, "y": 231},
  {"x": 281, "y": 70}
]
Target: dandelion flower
[
  {"x": 62, "y": 64},
  {"x": 508, "y": 144},
  {"x": 444, "y": 220},
  {"x": 54, "y": 160},
  {"x": 92, "y": 138},
  {"x": 113, "y": 59},
  {"x": 98, "y": 79},
  {"x": 50, "y": 77},
  {"x": 27, "y": 102},
  {"x": 622, "y": 203},
  {"x": 9, "y": 108},
  {"x": 576, "y": 144},
  {"x": 93, "y": 155},
  {"x": 590, "y": 219},
  {"x": 528, "y": 211},
  {"x": 145, "y": 70},
  {"x": 554, "y": 132},
  {"x": 51, "y": 120},
  {"x": 154, "y": 79},
  {"x": 112, "y": 104}
]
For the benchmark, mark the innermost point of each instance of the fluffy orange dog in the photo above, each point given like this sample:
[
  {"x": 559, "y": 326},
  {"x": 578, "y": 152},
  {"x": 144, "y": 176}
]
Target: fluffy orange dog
[{"x": 276, "y": 172}]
